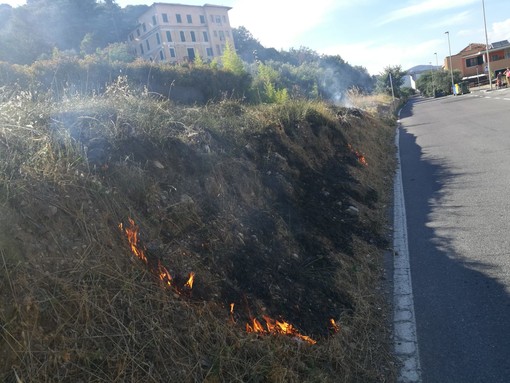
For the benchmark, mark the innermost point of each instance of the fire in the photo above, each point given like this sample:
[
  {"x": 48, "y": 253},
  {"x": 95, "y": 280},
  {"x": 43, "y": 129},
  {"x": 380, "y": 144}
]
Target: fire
[
  {"x": 361, "y": 158},
  {"x": 191, "y": 278},
  {"x": 272, "y": 326},
  {"x": 164, "y": 275},
  {"x": 334, "y": 326},
  {"x": 132, "y": 234},
  {"x": 276, "y": 327}
]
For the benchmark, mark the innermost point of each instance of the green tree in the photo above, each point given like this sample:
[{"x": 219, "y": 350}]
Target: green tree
[
  {"x": 266, "y": 85},
  {"x": 231, "y": 61},
  {"x": 391, "y": 77},
  {"x": 439, "y": 81}
]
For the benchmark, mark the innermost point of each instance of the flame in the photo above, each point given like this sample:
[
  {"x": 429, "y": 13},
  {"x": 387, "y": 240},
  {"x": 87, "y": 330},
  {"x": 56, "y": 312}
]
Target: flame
[
  {"x": 191, "y": 278},
  {"x": 276, "y": 327},
  {"x": 361, "y": 158},
  {"x": 164, "y": 275},
  {"x": 334, "y": 326},
  {"x": 272, "y": 327},
  {"x": 232, "y": 319},
  {"x": 134, "y": 242},
  {"x": 132, "y": 236}
]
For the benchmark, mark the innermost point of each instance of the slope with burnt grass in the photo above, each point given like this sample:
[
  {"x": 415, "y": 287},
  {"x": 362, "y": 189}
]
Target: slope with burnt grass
[{"x": 279, "y": 211}]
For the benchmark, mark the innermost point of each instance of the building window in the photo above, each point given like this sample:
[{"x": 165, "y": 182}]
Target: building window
[
  {"x": 224, "y": 19},
  {"x": 141, "y": 49},
  {"x": 131, "y": 37},
  {"x": 148, "y": 45},
  {"x": 144, "y": 27},
  {"x": 154, "y": 21},
  {"x": 206, "y": 36},
  {"x": 218, "y": 49},
  {"x": 165, "y": 17},
  {"x": 161, "y": 55},
  {"x": 202, "y": 19},
  {"x": 169, "y": 36},
  {"x": 183, "y": 37},
  {"x": 178, "y": 18},
  {"x": 209, "y": 52},
  {"x": 218, "y": 20},
  {"x": 172, "y": 52},
  {"x": 189, "y": 19},
  {"x": 193, "y": 38},
  {"x": 158, "y": 39},
  {"x": 222, "y": 36},
  {"x": 474, "y": 61},
  {"x": 138, "y": 32},
  {"x": 215, "y": 33}
]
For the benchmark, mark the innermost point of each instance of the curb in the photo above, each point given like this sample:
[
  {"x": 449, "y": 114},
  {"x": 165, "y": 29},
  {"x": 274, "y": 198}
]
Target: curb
[{"x": 404, "y": 322}]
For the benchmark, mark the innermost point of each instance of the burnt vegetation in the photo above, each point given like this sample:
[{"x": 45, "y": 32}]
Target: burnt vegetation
[
  {"x": 270, "y": 206},
  {"x": 121, "y": 180}
]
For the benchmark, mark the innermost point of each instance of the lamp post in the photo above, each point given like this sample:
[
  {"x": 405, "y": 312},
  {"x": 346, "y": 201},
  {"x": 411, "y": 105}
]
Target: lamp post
[
  {"x": 487, "y": 46},
  {"x": 433, "y": 82},
  {"x": 451, "y": 68}
]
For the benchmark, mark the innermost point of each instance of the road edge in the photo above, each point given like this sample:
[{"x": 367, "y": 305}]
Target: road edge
[{"x": 404, "y": 323}]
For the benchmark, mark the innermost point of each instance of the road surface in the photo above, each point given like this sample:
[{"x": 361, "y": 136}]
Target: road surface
[{"x": 455, "y": 162}]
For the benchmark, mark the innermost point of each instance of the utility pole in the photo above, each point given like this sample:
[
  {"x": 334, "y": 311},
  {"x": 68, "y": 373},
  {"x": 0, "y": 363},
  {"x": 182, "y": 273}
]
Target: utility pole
[
  {"x": 487, "y": 46},
  {"x": 451, "y": 67},
  {"x": 392, "y": 92},
  {"x": 433, "y": 82}
]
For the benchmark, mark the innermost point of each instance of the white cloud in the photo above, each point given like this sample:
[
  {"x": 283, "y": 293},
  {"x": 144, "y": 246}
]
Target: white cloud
[
  {"x": 423, "y": 7},
  {"x": 375, "y": 57},
  {"x": 279, "y": 23},
  {"x": 500, "y": 31},
  {"x": 450, "y": 22}
]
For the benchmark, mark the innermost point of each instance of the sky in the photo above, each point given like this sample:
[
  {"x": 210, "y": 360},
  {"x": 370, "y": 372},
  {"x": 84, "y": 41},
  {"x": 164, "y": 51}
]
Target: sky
[{"x": 373, "y": 34}]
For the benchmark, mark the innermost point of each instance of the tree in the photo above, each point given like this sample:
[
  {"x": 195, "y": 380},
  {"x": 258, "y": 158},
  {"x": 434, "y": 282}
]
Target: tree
[
  {"x": 391, "y": 79},
  {"x": 231, "y": 61},
  {"x": 440, "y": 81}
]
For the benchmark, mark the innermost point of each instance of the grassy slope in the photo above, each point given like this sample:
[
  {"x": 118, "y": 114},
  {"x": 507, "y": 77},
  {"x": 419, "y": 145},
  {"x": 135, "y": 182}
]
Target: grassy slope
[{"x": 257, "y": 201}]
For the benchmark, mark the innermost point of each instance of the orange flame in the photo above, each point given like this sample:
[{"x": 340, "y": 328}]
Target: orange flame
[
  {"x": 276, "y": 327},
  {"x": 137, "y": 249},
  {"x": 335, "y": 327},
  {"x": 361, "y": 158},
  {"x": 132, "y": 236},
  {"x": 232, "y": 313},
  {"x": 164, "y": 275},
  {"x": 191, "y": 278}
]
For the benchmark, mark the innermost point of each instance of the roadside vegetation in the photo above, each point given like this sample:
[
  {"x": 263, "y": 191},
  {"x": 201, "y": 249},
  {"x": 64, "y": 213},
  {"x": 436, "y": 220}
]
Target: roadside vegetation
[{"x": 206, "y": 222}]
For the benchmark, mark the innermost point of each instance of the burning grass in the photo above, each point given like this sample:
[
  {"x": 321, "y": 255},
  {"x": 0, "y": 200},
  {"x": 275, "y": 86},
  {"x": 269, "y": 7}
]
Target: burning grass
[{"x": 249, "y": 245}]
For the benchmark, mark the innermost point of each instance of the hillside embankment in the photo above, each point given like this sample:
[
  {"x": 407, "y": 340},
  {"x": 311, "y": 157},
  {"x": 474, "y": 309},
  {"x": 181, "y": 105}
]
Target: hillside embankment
[{"x": 145, "y": 241}]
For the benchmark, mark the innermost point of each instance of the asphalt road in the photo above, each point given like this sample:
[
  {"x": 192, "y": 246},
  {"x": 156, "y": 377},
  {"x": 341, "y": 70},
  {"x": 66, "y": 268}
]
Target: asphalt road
[{"x": 455, "y": 159}]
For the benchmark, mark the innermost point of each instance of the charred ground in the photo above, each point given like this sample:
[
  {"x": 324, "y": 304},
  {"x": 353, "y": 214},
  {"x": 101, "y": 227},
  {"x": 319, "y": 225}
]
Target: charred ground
[{"x": 272, "y": 207}]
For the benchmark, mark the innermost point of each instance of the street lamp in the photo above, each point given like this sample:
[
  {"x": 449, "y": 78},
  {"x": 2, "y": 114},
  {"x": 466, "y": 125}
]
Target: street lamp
[
  {"x": 487, "y": 46},
  {"x": 433, "y": 82},
  {"x": 451, "y": 68}
]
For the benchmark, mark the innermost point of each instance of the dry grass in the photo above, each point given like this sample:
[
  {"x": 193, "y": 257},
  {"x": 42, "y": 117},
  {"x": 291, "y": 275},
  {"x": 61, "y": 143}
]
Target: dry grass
[
  {"x": 212, "y": 188},
  {"x": 377, "y": 104}
]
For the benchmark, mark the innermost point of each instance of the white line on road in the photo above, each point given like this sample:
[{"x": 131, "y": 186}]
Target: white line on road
[{"x": 405, "y": 337}]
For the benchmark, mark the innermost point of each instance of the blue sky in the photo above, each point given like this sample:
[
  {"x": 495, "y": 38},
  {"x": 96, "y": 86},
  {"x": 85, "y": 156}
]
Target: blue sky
[{"x": 369, "y": 33}]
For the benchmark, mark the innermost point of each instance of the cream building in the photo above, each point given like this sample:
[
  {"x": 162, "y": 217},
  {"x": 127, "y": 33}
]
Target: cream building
[{"x": 170, "y": 32}]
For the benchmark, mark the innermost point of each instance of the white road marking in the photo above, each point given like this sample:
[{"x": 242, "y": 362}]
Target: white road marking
[{"x": 405, "y": 337}]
